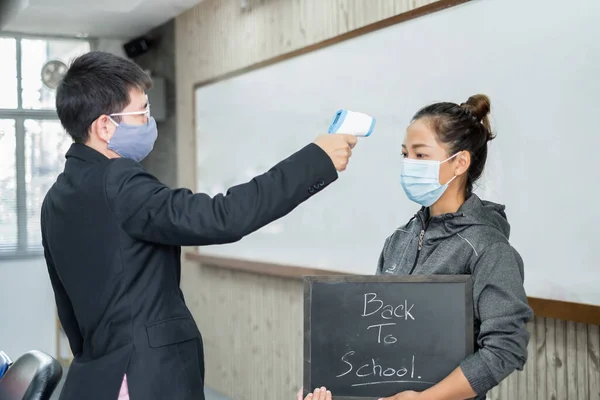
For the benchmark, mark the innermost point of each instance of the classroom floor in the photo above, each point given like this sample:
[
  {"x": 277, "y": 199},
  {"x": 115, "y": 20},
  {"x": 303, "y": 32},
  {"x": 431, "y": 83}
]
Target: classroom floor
[{"x": 208, "y": 392}]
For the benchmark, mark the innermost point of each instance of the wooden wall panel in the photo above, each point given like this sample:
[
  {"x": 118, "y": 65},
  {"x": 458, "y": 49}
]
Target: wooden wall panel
[{"x": 252, "y": 324}]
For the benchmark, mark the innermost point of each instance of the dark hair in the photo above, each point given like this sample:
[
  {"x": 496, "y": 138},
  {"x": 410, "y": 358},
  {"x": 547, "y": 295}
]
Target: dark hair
[
  {"x": 464, "y": 127},
  {"x": 96, "y": 83}
]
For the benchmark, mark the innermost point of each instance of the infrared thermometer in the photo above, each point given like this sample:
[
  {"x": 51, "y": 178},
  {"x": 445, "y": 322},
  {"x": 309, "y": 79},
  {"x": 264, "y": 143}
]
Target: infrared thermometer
[{"x": 352, "y": 123}]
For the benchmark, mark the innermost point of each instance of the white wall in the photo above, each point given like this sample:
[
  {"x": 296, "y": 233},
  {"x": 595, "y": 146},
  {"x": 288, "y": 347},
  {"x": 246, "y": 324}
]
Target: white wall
[
  {"x": 114, "y": 46},
  {"x": 261, "y": 102},
  {"x": 27, "y": 310},
  {"x": 252, "y": 324}
]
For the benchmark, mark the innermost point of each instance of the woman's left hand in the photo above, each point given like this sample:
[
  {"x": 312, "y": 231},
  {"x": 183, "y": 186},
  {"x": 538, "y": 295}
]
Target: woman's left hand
[
  {"x": 406, "y": 395},
  {"x": 319, "y": 394}
]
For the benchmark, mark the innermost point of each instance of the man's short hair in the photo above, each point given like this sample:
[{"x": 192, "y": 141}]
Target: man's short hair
[{"x": 96, "y": 83}]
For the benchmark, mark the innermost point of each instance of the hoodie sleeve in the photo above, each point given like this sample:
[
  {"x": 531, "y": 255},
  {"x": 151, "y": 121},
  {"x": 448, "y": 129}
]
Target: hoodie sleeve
[
  {"x": 501, "y": 307},
  {"x": 381, "y": 260}
]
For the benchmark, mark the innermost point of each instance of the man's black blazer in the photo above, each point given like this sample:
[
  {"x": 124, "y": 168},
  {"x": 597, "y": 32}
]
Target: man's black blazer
[{"x": 112, "y": 235}]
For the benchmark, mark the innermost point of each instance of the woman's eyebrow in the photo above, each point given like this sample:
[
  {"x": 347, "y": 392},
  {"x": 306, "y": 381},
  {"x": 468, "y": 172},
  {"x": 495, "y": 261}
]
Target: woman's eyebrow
[{"x": 419, "y": 145}]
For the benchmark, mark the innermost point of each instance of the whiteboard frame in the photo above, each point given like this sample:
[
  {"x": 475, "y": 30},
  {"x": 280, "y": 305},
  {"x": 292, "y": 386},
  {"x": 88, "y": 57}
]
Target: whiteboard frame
[{"x": 564, "y": 310}]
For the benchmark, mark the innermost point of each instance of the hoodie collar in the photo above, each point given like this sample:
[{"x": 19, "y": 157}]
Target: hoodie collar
[{"x": 473, "y": 211}]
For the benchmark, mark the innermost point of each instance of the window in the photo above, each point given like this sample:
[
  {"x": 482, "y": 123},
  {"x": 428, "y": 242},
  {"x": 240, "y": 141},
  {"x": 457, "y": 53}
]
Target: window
[
  {"x": 32, "y": 141},
  {"x": 8, "y": 73},
  {"x": 8, "y": 187}
]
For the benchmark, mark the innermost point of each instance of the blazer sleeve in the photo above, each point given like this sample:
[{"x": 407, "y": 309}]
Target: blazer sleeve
[
  {"x": 148, "y": 210},
  {"x": 66, "y": 314}
]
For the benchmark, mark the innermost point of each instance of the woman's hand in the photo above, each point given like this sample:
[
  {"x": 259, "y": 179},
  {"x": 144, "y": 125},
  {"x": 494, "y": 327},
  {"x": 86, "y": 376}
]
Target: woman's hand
[
  {"x": 406, "y": 395},
  {"x": 318, "y": 394}
]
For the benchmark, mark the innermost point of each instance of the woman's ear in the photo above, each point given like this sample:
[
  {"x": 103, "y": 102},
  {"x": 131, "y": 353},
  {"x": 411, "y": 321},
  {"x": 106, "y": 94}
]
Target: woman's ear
[{"x": 463, "y": 161}]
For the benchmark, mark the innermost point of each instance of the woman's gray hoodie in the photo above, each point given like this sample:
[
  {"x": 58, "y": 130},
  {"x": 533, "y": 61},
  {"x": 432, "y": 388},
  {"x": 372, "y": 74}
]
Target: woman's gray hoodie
[{"x": 474, "y": 241}]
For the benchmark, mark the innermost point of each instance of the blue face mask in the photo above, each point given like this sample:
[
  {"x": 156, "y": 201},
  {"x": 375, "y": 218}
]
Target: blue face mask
[
  {"x": 134, "y": 141},
  {"x": 421, "y": 180}
]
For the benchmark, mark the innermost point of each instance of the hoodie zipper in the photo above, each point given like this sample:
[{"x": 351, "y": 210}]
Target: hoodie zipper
[
  {"x": 424, "y": 226},
  {"x": 421, "y": 236}
]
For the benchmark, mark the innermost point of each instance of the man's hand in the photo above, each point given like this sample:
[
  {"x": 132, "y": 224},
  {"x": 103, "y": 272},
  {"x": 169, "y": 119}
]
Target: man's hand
[
  {"x": 338, "y": 147},
  {"x": 407, "y": 395},
  {"x": 318, "y": 394}
]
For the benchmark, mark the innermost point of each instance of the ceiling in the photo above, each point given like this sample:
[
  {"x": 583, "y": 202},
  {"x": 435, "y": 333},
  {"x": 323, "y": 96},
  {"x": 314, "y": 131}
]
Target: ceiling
[{"x": 119, "y": 19}]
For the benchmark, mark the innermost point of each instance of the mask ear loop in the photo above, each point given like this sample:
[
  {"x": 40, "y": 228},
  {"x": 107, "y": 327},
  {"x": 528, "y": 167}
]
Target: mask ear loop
[
  {"x": 447, "y": 183},
  {"x": 113, "y": 121},
  {"x": 450, "y": 158}
]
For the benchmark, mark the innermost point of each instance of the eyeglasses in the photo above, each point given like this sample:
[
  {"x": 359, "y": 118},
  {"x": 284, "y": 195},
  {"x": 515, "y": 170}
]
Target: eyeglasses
[{"x": 145, "y": 112}]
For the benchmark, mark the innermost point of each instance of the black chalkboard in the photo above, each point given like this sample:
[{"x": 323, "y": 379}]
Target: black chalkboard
[{"x": 374, "y": 336}]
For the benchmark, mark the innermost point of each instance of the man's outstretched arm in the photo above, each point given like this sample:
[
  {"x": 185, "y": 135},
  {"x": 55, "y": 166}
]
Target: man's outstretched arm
[{"x": 148, "y": 210}]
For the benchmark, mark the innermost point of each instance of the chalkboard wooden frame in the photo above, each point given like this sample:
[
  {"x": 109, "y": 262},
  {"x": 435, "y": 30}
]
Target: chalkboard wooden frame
[{"x": 309, "y": 280}]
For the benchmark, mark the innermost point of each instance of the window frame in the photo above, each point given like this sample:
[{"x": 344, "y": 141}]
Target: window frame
[{"x": 19, "y": 115}]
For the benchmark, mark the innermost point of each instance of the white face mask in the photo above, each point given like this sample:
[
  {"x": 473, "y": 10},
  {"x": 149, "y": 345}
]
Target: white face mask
[{"x": 421, "y": 180}]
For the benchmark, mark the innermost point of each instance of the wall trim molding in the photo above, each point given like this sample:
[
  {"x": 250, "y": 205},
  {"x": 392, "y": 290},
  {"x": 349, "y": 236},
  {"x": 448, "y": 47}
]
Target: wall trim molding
[
  {"x": 384, "y": 23},
  {"x": 564, "y": 310}
]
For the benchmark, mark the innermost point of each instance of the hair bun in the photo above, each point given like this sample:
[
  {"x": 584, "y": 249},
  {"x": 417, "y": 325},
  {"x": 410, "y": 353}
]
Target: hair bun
[{"x": 479, "y": 105}]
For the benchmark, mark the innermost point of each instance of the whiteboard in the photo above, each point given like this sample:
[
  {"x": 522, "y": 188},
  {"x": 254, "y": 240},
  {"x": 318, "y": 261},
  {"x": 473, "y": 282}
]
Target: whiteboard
[{"x": 538, "y": 60}]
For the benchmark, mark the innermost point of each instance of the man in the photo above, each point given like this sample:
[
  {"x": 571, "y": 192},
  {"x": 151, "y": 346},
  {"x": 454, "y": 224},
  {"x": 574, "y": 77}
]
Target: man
[{"x": 112, "y": 235}]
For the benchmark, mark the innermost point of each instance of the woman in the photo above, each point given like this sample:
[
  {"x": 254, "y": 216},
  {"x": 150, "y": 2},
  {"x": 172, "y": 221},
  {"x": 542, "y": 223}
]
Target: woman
[{"x": 455, "y": 232}]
